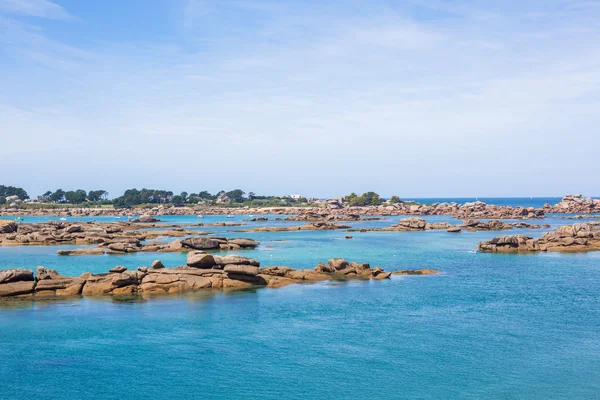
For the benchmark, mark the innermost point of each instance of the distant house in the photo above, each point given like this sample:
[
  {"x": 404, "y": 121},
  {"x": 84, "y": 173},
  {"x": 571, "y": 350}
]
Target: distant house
[
  {"x": 295, "y": 196},
  {"x": 222, "y": 198}
]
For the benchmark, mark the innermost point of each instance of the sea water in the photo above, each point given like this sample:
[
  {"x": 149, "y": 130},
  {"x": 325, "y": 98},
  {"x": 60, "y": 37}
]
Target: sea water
[{"x": 491, "y": 326}]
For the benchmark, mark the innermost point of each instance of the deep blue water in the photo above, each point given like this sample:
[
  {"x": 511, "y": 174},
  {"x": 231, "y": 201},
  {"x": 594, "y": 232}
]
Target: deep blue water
[{"x": 490, "y": 326}]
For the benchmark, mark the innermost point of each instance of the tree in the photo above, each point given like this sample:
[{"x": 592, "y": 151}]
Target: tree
[
  {"x": 236, "y": 195},
  {"x": 130, "y": 198},
  {"x": 58, "y": 196},
  {"x": 2, "y": 200},
  {"x": 6, "y": 191},
  {"x": 177, "y": 201},
  {"x": 75, "y": 197},
  {"x": 251, "y": 196},
  {"x": 97, "y": 195},
  {"x": 395, "y": 200},
  {"x": 46, "y": 196},
  {"x": 206, "y": 196},
  {"x": 365, "y": 199},
  {"x": 184, "y": 196}
]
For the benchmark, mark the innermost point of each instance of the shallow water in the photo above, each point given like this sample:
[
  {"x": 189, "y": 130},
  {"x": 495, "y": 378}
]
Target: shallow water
[{"x": 490, "y": 326}]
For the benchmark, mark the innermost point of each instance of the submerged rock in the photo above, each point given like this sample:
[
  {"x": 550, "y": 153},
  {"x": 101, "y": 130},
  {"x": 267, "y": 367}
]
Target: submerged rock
[{"x": 416, "y": 272}]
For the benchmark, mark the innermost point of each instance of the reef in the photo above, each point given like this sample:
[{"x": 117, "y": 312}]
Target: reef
[
  {"x": 575, "y": 238},
  {"x": 114, "y": 238},
  {"x": 202, "y": 271}
]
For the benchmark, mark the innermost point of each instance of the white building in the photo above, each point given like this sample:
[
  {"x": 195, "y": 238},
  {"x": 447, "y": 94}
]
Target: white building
[{"x": 295, "y": 196}]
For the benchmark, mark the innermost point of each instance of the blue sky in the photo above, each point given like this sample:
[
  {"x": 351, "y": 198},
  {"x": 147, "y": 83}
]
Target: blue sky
[{"x": 419, "y": 98}]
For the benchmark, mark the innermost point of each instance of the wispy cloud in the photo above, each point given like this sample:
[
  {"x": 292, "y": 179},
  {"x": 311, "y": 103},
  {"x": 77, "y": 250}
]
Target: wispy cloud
[
  {"x": 430, "y": 97},
  {"x": 35, "y": 8},
  {"x": 29, "y": 42}
]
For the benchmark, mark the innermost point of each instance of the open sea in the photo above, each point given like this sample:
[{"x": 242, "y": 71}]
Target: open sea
[{"x": 490, "y": 326}]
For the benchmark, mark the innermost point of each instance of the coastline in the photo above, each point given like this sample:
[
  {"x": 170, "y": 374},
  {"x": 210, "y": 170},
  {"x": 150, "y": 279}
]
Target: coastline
[
  {"x": 570, "y": 204},
  {"x": 202, "y": 272}
]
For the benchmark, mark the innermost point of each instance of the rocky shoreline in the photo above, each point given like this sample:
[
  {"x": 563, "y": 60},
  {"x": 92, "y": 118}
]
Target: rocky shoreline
[
  {"x": 131, "y": 237},
  {"x": 114, "y": 238},
  {"x": 570, "y": 204},
  {"x": 202, "y": 271},
  {"x": 575, "y": 238}
]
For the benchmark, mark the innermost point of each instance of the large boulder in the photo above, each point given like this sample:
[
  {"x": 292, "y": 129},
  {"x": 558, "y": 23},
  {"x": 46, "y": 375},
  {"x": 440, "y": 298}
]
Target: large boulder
[
  {"x": 148, "y": 218},
  {"x": 8, "y": 226},
  {"x": 241, "y": 269},
  {"x": 235, "y": 259},
  {"x": 275, "y": 270},
  {"x": 324, "y": 268},
  {"x": 174, "y": 246},
  {"x": 244, "y": 243},
  {"x": 74, "y": 229},
  {"x": 16, "y": 275},
  {"x": 338, "y": 264},
  {"x": 42, "y": 273},
  {"x": 51, "y": 283},
  {"x": 16, "y": 288},
  {"x": 413, "y": 224},
  {"x": 183, "y": 281},
  {"x": 118, "y": 284},
  {"x": 199, "y": 259},
  {"x": 439, "y": 225},
  {"x": 200, "y": 243},
  {"x": 123, "y": 247}
]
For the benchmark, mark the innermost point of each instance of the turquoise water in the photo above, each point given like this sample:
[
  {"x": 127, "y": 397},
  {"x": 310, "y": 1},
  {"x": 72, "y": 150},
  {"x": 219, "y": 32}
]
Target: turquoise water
[
  {"x": 536, "y": 202},
  {"x": 490, "y": 326}
]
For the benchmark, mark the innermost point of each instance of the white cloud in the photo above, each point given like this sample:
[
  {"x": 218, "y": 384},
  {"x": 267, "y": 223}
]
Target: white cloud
[
  {"x": 35, "y": 8},
  {"x": 470, "y": 101}
]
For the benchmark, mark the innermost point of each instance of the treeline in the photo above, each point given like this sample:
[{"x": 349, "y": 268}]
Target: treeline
[
  {"x": 135, "y": 197},
  {"x": 8, "y": 191},
  {"x": 369, "y": 199},
  {"x": 78, "y": 196}
]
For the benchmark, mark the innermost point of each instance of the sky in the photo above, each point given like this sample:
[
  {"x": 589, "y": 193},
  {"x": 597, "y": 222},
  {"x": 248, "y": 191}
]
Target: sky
[{"x": 416, "y": 98}]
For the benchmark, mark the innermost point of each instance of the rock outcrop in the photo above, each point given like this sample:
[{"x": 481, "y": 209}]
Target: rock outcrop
[
  {"x": 496, "y": 225},
  {"x": 228, "y": 272},
  {"x": 7, "y": 226},
  {"x": 574, "y": 204},
  {"x": 132, "y": 245},
  {"x": 578, "y": 237}
]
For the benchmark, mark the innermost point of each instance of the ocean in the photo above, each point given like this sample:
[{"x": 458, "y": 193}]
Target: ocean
[
  {"x": 489, "y": 326},
  {"x": 536, "y": 202}
]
